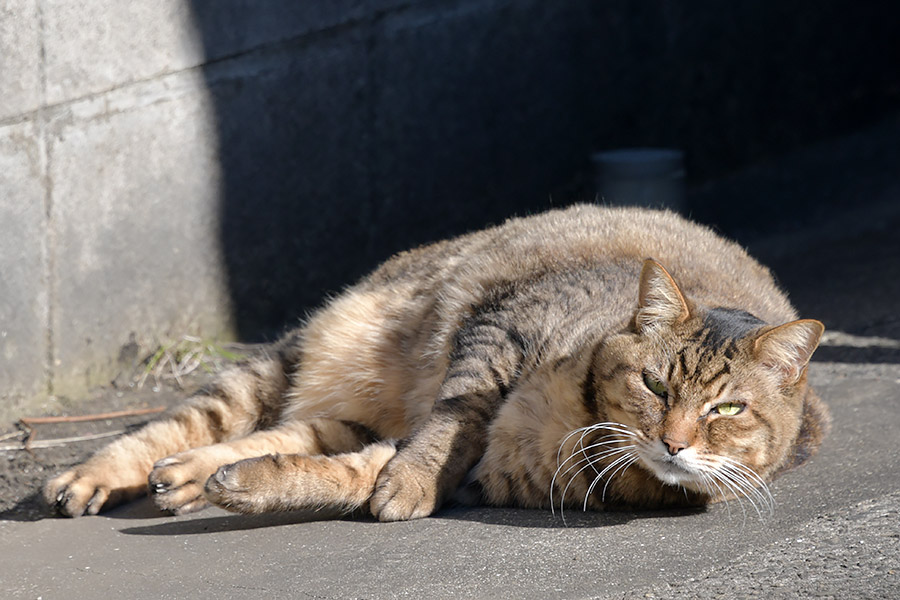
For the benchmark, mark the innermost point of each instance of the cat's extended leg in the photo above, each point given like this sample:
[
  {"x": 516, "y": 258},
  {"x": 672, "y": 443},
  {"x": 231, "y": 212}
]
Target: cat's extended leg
[
  {"x": 277, "y": 483},
  {"x": 176, "y": 482},
  {"x": 239, "y": 401},
  {"x": 431, "y": 465}
]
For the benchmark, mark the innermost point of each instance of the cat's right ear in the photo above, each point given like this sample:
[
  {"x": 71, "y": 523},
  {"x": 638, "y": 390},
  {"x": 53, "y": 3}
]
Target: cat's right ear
[
  {"x": 788, "y": 348},
  {"x": 660, "y": 302}
]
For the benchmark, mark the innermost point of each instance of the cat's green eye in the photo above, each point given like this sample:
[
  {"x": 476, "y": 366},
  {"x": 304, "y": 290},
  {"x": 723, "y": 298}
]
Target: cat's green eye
[
  {"x": 729, "y": 409},
  {"x": 656, "y": 386}
]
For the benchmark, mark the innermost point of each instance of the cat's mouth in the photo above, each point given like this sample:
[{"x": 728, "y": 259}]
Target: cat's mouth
[{"x": 672, "y": 470}]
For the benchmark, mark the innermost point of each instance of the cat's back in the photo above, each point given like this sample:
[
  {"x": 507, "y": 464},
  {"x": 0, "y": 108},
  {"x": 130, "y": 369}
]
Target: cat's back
[
  {"x": 554, "y": 279},
  {"x": 590, "y": 238}
]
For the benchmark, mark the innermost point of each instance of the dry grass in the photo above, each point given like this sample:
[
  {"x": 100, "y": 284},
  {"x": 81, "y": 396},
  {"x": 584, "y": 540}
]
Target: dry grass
[{"x": 172, "y": 362}]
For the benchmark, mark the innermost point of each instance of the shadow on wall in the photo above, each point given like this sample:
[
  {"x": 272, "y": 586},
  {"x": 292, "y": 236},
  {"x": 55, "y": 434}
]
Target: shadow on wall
[
  {"x": 348, "y": 133},
  {"x": 349, "y": 130}
]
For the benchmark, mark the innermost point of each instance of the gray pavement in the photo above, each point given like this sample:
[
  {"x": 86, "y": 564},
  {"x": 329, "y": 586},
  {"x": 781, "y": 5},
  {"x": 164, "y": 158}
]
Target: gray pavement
[{"x": 835, "y": 532}]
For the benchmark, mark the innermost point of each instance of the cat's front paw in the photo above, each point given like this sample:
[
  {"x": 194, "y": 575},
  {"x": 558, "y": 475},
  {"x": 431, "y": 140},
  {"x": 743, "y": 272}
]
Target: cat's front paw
[
  {"x": 176, "y": 483},
  {"x": 404, "y": 490},
  {"x": 89, "y": 488},
  {"x": 238, "y": 487},
  {"x": 75, "y": 493}
]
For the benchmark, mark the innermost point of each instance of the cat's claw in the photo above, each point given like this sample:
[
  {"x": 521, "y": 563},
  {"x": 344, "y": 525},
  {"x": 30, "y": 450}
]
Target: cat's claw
[
  {"x": 76, "y": 493},
  {"x": 176, "y": 483},
  {"x": 221, "y": 475}
]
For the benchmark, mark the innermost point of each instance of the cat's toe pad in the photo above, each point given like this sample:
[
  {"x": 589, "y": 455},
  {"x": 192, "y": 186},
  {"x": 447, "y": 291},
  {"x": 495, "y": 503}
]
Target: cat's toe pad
[
  {"x": 232, "y": 486},
  {"x": 167, "y": 462},
  {"x": 404, "y": 491},
  {"x": 176, "y": 483},
  {"x": 74, "y": 494},
  {"x": 226, "y": 478},
  {"x": 88, "y": 489}
]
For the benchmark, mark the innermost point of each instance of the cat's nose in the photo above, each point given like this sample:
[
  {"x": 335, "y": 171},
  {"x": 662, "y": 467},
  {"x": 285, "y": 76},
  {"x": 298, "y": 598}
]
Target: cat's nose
[{"x": 674, "y": 446}]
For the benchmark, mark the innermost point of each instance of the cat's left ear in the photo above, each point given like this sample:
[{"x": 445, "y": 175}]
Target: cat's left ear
[
  {"x": 788, "y": 348},
  {"x": 660, "y": 302}
]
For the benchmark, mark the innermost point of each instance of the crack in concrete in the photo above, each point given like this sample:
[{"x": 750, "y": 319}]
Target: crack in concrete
[{"x": 49, "y": 241}]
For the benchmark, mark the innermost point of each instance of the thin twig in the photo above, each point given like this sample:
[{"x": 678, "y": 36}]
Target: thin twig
[
  {"x": 10, "y": 435},
  {"x": 30, "y": 421},
  {"x": 61, "y": 441}
]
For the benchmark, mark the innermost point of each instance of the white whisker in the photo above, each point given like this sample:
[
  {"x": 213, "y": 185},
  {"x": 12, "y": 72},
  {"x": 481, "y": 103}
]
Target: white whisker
[
  {"x": 594, "y": 456},
  {"x": 612, "y": 439},
  {"x": 742, "y": 480},
  {"x": 621, "y": 470},
  {"x": 751, "y": 485},
  {"x": 587, "y": 459},
  {"x": 613, "y": 443},
  {"x": 740, "y": 488},
  {"x": 707, "y": 480},
  {"x": 614, "y": 427},
  {"x": 760, "y": 486},
  {"x": 628, "y": 454},
  {"x": 736, "y": 492},
  {"x": 566, "y": 490}
]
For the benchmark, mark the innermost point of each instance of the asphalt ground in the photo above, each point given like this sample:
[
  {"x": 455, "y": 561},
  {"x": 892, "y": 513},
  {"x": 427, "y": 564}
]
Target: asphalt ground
[{"x": 835, "y": 532}]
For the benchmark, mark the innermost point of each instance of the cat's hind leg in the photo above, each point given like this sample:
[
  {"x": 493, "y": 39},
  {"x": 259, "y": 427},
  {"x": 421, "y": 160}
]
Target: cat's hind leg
[
  {"x": 241, "y": 400},
  {"x": 279, "y": 483},
  {"x": 176, "y": 482}
]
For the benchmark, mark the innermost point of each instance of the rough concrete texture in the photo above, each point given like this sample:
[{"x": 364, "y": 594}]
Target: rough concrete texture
[
  {"x": 130, "y": 265},
  {"x": 20, "y": 55},
  {"x": 833, "y": 535},
  {"x": 93, "y": 47},
  {"x": 23, "y": 297}
]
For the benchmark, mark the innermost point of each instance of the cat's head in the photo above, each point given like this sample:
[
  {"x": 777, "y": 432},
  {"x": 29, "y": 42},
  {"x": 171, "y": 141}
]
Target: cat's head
[{"x": 714, "y": 396}]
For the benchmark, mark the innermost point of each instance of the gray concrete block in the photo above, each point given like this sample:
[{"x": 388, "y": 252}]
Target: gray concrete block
[
  {"x": 23, "y": 297},
  {"x": 135, "y": 183},
  {"x": 95, "y": 46},
  {"x": 20, "y": 56},
  {"x": 92, "y": 47}
]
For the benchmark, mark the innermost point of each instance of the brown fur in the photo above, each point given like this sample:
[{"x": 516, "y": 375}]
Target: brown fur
[{"x": 521, "y": 356}]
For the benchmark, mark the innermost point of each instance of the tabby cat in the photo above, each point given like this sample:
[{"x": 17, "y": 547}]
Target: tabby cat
[{"x": 544, "y": 362}]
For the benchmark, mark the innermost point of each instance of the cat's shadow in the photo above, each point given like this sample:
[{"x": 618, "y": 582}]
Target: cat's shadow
[
  {"x": 33, "y": 509},
  {"x": 200, "y": 523},
  {"x": 507, "y": 517},
  {"x": 569, "y": 519}
]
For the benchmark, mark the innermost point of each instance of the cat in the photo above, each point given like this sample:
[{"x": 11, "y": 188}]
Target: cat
[{"x": 551, "y": 361}]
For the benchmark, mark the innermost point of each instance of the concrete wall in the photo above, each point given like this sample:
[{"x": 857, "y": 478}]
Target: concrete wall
[
  {"x": 215, "y": 168},
  {"x": 109, "y": 187}
]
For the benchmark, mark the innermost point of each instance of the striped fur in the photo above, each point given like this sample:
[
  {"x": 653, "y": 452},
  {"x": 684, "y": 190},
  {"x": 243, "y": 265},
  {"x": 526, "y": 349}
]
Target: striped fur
[{"x": 521, "y": 360}]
